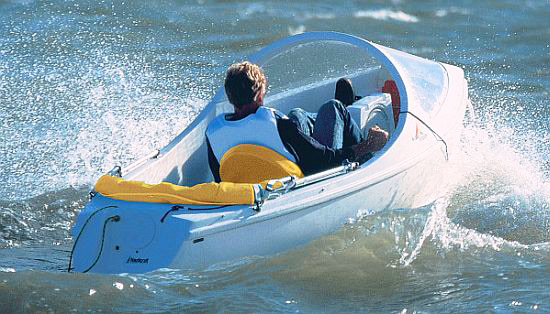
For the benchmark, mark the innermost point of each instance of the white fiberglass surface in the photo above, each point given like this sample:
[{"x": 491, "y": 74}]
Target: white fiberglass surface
[{"x": 426, "y": 80}]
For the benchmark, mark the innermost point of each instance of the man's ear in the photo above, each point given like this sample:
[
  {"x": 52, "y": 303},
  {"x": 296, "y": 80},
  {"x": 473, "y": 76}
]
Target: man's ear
[{"x": 260, "y": 98}]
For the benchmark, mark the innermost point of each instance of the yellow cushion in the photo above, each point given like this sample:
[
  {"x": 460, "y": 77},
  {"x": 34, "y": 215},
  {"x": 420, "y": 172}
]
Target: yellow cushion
[
  {"x": 224, "y": 193},
  {"x": 247, "y": 163}
]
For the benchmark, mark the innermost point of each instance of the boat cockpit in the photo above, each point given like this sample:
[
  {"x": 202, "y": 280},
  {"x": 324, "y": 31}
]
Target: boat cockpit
[{"x": 302, "y": 76}]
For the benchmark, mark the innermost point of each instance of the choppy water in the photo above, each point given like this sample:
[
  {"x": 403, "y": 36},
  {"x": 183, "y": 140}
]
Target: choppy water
[{"x": 85, "y": 85}]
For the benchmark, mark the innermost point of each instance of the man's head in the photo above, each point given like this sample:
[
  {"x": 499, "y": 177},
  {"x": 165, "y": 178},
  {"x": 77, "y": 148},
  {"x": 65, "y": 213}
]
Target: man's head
[{"x": 245, "y": 83}]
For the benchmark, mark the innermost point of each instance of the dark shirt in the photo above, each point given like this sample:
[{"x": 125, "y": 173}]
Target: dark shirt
[{"x": 311, "y": 156}]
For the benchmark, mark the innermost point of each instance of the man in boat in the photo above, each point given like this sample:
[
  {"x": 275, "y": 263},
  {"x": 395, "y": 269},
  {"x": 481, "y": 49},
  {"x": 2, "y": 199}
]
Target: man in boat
[{"x": 335, "y": 136}]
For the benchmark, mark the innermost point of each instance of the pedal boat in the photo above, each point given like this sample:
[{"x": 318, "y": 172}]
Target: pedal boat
[{"x": 152, "y": 229}]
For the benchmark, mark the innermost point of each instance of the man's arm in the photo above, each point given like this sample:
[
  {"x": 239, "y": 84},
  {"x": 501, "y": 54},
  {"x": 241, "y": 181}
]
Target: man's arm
[
  {"x": 213, "y": 162},
  {"x": 311, "y": 156},
  {"x": 376, "y": 139}
]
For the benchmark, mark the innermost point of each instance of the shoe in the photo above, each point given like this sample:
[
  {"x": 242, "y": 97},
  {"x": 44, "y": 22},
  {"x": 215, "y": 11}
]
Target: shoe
[{"x": 344, "y": 92}]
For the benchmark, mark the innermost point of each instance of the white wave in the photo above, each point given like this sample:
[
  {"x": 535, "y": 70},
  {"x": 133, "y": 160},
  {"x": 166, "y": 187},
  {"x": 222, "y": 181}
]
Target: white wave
[
  {"x": 451, "y": 10},
  {"x": 500, "y": 188},
  {"x": 505, "y": 158},
  {"x": 296, "y": 30},
  {"x": 319, "y": 16},
  {"x": 448, "y": 235},
  {"x": 386, "y": 14},
  {"x": 441, "y": 13}
]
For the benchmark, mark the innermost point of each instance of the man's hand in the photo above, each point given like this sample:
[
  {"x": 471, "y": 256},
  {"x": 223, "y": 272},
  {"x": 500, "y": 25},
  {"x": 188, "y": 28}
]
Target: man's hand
[{"x": 376, "y": 139}]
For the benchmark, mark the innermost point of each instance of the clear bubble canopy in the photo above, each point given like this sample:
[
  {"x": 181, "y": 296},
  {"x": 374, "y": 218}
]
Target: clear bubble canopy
[{"x": 317, "y": 56}]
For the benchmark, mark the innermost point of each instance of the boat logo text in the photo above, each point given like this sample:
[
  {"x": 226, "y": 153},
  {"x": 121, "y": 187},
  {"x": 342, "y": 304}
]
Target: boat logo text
[{"x": 135, "y": 260}]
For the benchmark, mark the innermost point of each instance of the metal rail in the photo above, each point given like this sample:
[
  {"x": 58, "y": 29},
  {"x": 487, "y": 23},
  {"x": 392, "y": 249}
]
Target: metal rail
[
  {"x": 278, "y": 187},
  {"x": 327, "y": 174}
]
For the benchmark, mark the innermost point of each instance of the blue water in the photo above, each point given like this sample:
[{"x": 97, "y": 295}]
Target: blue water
[{"x": 85, "y": 85}]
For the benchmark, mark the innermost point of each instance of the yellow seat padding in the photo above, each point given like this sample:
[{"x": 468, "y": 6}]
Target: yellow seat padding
[
  {"x": 224, "y": 193},
  {"x": 247, "y": 163}
]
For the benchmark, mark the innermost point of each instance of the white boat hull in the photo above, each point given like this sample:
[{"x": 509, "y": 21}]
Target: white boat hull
[
  {"x": 113, "y": 236},
  {"x": 140, "y": 242}
]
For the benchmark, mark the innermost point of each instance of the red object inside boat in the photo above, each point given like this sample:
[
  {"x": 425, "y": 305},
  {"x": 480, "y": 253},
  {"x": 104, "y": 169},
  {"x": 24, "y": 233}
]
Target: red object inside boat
[{"x": 391, "y": 88}]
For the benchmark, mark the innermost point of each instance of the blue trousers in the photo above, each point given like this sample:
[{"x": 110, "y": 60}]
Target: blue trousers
[{"x": 331, "y": 126}]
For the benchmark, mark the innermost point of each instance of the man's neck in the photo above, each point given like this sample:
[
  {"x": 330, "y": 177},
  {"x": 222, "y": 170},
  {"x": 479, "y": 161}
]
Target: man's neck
[{"x": 244, "y": 111}]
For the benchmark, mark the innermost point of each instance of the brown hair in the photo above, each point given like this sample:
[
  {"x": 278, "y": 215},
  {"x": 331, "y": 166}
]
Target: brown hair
[{"x": 245, "y": 83}]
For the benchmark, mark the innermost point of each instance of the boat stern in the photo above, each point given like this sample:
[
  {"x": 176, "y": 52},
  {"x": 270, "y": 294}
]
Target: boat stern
[{"x": 113, "y": 236}]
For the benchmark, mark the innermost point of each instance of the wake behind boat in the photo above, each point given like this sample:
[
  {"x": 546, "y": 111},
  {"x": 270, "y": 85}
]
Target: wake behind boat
[{"x": 164, "y": 212}]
